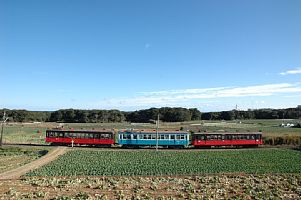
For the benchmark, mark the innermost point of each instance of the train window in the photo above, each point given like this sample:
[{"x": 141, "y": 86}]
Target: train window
[
  {"x": 178, "y": 137},
  {"x": 219, "y": 137},
  {"x": 51, "y": 134},
  {"x": 135, "y": 137},
  {"x": 252, "y": 137},
  {"x": 223, "y": 137},
  {"x": 234, "y": 137},
  {"x": 162, "y": 137},
  {"x": 182, "y": 137},
  {"x": 257, "y": 136},
  {"x": 105, "y": 136},
  {"x": 153, "y": 137},
  {"x": 149, "y": 137},
  {"x": 172, "y": 137},
  {"x": 91, "y": 136},
  {"x": 166, "y": 137}
]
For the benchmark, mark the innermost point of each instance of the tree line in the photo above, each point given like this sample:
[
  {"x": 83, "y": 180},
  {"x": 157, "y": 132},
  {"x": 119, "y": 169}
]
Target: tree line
[{"x": 167, "y": 114}]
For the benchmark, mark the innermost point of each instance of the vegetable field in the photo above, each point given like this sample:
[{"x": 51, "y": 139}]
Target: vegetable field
[
  {"x": 263, "y": 186},
  {"x": 139, "y": 162}
]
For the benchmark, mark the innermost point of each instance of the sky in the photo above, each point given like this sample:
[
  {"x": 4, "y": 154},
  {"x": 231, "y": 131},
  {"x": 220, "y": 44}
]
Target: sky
[{"x": 113, "y": 54}]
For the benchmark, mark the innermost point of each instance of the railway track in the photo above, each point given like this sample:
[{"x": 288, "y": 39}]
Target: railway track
[{"x": 118, "y": 148}]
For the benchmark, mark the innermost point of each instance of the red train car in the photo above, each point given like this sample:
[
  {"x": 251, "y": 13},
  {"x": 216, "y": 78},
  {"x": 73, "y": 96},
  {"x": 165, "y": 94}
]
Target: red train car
[
  {"x": 80, "y": 137},
  {"x": 227, "y": 139}
]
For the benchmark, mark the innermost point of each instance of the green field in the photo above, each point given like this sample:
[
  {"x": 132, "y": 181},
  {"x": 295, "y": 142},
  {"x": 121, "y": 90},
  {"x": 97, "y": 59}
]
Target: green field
[
  {"x": 35, "y": 133},
  {"x": 145, "y": 162}
]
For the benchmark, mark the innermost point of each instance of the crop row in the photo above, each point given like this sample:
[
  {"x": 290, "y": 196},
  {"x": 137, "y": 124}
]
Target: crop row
[{"x": 116, "y": 163}]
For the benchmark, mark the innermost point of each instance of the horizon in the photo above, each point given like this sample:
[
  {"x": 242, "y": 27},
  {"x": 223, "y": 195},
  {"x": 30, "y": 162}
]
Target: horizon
[
  {"x": 133, "y": 55},
  {"x": 151, "y": 108}
]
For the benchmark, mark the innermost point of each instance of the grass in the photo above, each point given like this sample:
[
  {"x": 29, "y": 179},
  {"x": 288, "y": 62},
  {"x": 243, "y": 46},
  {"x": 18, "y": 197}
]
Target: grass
[
  {"x": 12, "y": 157},
  {"x": 116, "y": 163}
]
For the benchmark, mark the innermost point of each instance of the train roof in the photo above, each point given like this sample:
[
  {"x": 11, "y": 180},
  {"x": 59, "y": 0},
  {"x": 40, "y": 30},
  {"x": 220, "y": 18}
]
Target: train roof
[
  {"x": 81, "y": 131},
  {"x": 153, "y": 131},
  {"x": 227, "y": 133}
]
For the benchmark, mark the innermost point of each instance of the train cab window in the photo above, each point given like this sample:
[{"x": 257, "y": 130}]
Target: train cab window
[
  {"x": 51, "y": 134},
  {"x": 172, "y": 137}
]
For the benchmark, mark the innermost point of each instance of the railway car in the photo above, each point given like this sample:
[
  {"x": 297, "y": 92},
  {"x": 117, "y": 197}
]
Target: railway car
[
  {"x": 227, "y": 139},
  {"x": 80, "y": 137},
  {"x": 171, "y": 139}
]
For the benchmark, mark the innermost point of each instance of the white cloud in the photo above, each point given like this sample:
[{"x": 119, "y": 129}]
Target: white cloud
[
  {"x": 192, "y": 97},
  {"x": 293, "y": 71}
]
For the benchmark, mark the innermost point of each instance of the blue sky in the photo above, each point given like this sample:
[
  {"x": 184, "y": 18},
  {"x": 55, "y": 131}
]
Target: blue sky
[{"x": 134, "y": 54}]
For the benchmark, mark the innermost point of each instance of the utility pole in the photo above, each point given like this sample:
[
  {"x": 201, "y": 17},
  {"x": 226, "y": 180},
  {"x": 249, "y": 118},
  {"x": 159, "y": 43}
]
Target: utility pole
[
  {"x": 157, "y": 134},
  {"x": 2, "y": 127}
]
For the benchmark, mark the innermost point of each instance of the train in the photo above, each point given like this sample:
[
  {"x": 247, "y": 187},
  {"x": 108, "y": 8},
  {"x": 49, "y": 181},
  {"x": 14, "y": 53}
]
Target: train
[{"x": 150, "y": 138}]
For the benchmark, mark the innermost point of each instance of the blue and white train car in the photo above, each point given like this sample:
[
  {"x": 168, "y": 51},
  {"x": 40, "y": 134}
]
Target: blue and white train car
[{"x": 173, "y": 139}]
